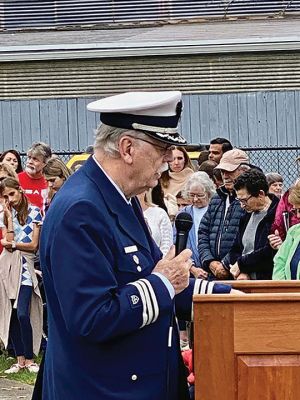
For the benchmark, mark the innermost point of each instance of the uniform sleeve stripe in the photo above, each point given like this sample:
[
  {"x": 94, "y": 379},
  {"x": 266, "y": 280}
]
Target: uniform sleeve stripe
[
  {"x": 154, "y": 300},
  {"x": 210, "y": 287},
  {"x": 195, "y": 291},
  {"x": 141, "y": 292},
  {"x": 196, "y": 286},
  {"x": 201, "y": 287},
  {"x": 149, "y": 301},
  {"x": 149, "y": 306}
]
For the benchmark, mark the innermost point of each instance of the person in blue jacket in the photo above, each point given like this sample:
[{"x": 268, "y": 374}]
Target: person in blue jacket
[
  {"x": 199, "y": 189},
  {"x": 219, "y": 225},
  {"x": 110, "y": 296}
]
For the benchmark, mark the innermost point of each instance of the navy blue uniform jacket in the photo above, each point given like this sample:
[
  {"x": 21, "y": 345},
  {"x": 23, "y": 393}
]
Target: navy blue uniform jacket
[{"x": 109, "y": 317}]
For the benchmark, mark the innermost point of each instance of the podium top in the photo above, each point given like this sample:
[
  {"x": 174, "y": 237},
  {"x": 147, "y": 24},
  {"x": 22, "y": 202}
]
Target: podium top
[
  {"x": 247, "y": 297},
  {"x": 263, "y": 284}
]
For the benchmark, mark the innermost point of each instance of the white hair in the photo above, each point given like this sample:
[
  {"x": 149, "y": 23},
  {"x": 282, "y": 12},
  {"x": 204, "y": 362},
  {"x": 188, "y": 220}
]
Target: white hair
[
  {"x": 40, "y": 149},
  {"x": 202, "y": 179},
  {"x": 107, "y": 138}
]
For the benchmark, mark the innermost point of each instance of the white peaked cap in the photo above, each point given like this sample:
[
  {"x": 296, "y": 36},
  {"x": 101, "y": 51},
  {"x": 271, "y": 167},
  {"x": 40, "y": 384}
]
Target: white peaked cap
[{"x": 155, "y": 113}]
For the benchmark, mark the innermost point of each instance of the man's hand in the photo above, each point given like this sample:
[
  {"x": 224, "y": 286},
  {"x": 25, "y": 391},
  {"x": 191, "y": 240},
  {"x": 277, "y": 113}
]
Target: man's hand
[
  {"x": 243, "y": 277},
  {"x": 235, "y": 291},
  {"x": 218, "y": 270},
  {"x": 6, "y": 244},
  {"x": 176, "y": 269},
  {"x": 7, "y": 209},
  {"x": 214, "y": 266},
  {"x": 199, "y": 273},
  {"x": 275, "y": 240},
  {"x": 235, "y": 270},
  {"x": 38, "y": 273}
]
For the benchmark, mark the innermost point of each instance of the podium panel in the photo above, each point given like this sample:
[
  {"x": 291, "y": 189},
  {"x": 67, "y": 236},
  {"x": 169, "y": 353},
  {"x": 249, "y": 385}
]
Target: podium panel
[
  {"x": 247, "y": 347},
  {"x": 281, "y": 372}
]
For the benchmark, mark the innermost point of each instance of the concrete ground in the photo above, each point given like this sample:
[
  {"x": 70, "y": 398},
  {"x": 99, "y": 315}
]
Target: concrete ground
[{"x": 13, "y": 390}]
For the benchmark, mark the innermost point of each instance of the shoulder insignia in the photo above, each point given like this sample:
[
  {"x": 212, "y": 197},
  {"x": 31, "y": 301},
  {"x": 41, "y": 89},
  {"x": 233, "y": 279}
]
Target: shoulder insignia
[{"x": 134, "y": 299}]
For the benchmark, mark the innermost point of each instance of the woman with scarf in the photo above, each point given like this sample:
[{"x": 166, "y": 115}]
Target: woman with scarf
[{"x": 174, "y": 179}]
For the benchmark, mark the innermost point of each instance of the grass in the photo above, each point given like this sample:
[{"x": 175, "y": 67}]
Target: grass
[{"x": 23, "y": 376}]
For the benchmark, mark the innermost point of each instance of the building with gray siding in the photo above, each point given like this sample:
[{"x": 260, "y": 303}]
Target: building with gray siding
[{"x": 240, "y": 78}]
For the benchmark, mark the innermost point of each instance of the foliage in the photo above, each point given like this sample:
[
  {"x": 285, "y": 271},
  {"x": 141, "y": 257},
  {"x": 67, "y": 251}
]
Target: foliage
[{"x": 23, "y": 376}]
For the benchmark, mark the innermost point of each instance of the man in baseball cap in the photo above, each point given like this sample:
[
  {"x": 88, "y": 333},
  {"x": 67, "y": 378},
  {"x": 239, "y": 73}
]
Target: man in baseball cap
[
  {"x": 232, "y": 159},
  {"x": 232, "y": 164},
  {"x": 220, "y": 224}
]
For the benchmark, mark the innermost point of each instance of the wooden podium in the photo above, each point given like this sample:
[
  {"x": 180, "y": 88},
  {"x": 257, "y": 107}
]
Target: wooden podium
[
  {"x": 247, "y": 347},
  {"x": 265, "y": 286}
]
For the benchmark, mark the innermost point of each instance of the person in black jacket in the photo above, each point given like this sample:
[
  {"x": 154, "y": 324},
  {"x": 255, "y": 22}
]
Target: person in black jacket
[{"x": 251, "y": 256}]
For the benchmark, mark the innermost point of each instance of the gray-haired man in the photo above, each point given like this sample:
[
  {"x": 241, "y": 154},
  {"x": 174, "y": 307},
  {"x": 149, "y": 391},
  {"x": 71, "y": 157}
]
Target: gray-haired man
[{"x": 32, "y": 179}]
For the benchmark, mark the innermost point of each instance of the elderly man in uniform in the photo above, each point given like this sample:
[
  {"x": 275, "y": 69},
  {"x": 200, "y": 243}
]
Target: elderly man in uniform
[{"x": 111, "y": 298}]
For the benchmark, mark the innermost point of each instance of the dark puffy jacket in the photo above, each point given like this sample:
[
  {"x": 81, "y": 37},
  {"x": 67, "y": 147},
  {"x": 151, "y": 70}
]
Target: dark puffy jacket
[
  {"x": 216, "y": 233},
  {"x": 260, "y": 260}
]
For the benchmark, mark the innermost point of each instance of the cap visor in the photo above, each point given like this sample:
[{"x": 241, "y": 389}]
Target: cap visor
[
  {"x": 172, "y": 139},
  {"x": 227, "y": 167}
]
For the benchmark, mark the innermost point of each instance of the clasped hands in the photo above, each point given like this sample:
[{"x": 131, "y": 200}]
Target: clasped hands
[
  {"x": 7, "y": 245},
  {"x": 275, "y": 240},
  {"x": 237, "y": 274},
  {"x": 217, "y": 268}
]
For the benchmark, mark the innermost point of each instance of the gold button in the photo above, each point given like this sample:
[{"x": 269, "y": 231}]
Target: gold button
[{"x": 134, "y": 377}]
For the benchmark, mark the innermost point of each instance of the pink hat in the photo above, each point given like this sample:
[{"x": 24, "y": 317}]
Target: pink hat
[{"x": 232, "y": 159}]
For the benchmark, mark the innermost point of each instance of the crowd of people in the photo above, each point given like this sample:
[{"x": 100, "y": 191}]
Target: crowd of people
[
  {"x": 25, "y": 197},
  {"x": 244, "y": 227}
]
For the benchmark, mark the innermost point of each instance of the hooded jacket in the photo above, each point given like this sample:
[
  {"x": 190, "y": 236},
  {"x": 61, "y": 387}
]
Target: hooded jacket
[{"x": 284, "y": 219}]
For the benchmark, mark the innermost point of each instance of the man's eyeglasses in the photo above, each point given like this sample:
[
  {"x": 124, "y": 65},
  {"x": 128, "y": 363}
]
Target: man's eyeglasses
[
  {"x": 198, "y": 196},
  {"x": 163, "y": 148},
  {"x": 244, "y": 201}
]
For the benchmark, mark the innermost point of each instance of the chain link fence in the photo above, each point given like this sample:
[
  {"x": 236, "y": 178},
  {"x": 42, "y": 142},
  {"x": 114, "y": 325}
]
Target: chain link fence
[
  {"x": 64, "y": 156},
  {"x": 282, "y": 160}
]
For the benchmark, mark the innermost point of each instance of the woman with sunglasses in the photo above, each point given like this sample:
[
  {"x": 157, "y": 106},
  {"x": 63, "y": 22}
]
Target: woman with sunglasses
[
  {"x": 21, "y": 313},
  {"x": 287, "y": 259}
]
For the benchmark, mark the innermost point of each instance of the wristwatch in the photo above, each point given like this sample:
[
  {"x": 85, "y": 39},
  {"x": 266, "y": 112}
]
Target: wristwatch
[{"x": 13, "y": 245}]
